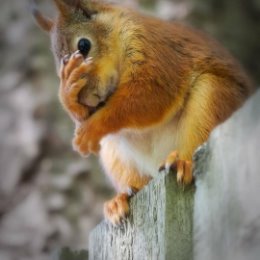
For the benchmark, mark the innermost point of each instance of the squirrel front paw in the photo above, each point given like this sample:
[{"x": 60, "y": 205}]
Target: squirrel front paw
[
  {"x": 72, "y": 80},
  {"x": 117, "y": 209},
  {"x": 183, "y": 168},
  {"x": 86, "y": 139}
]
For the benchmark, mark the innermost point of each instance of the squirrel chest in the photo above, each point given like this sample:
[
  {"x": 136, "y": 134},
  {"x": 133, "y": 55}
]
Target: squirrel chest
[{"x": 146, "y": 149}]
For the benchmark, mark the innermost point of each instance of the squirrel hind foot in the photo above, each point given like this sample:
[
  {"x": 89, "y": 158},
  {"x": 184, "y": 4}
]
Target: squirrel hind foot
[
  {"x": 117, "y": 209},
  {"x": 182, "y": 167}
]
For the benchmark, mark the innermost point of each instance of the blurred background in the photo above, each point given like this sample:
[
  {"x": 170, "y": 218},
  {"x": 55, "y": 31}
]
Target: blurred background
[{"x": 49, "y": 196}]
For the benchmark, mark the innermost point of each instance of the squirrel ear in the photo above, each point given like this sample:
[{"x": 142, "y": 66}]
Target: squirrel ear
[
  {"x": 66, "y": 7},
  {"x": 44, "y": 22},
  {"x": 63, "y": 6}
]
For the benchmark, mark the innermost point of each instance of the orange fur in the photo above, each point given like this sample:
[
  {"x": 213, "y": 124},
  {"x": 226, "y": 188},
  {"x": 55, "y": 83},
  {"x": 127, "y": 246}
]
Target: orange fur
[
  {"x": 124, "y": 176},
  {"x": 153, "y": 76},
  {"x": 117, "y": 208}
]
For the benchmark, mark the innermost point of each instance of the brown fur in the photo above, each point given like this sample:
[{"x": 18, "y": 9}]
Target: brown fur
[{"x": 161, "y": 72}]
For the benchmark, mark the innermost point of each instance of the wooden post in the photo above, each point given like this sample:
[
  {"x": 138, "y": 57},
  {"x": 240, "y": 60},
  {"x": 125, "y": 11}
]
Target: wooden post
[
  {"x": 159, "y": 227},
  {"x": 227, "y": 204}
]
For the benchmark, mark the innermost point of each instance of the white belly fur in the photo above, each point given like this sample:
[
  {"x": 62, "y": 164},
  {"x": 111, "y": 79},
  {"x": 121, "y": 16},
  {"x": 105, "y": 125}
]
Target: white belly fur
[{"x": 143, "y": 149}]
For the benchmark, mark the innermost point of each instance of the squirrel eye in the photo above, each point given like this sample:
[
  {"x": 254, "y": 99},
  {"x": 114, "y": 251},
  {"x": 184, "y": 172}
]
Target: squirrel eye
[{"x": 84, "y": 46}]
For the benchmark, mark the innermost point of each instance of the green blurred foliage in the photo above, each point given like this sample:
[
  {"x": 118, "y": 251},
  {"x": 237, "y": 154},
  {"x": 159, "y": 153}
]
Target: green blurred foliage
[
  {"x": 149, "y": 4},
  {"x": 68, "y": 254}
]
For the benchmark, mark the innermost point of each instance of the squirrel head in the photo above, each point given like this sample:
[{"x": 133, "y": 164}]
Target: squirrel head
[
  {"x": 107, "y": 32},
  {"x": 90, "y": 25},
  {"x": 76, "y": 20}
]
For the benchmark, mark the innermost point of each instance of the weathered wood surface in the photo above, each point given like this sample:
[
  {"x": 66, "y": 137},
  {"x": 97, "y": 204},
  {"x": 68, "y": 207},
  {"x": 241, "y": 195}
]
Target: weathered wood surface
[
  {"x": 159, "y": 227},
  {"x": 227, "y": 202}
]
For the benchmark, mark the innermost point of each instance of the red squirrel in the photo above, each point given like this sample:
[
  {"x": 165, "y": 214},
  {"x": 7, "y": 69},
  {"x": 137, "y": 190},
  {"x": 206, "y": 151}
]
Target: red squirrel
[{"x": 141, "y": 91}]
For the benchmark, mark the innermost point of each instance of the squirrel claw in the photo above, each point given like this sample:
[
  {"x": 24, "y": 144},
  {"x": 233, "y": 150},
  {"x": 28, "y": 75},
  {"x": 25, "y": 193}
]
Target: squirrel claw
[
  {"x": 66, "y": 59},
  {"x": 183, "y": 168},
  {"x": 170, "y": 162}
]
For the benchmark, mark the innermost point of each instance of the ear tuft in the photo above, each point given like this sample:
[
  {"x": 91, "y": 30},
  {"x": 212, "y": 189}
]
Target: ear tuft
[
  {"x": 45, "y": 23},
  {"x": 66, "y": 7},
  {"x": 79, "y": 6}
]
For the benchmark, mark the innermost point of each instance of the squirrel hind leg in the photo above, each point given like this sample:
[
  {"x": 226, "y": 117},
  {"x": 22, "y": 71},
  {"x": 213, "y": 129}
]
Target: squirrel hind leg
[
  {"x": 211, "y": 101},
  {"x": 125, "y": 177},
  {"x": 183, "y": 168}
]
